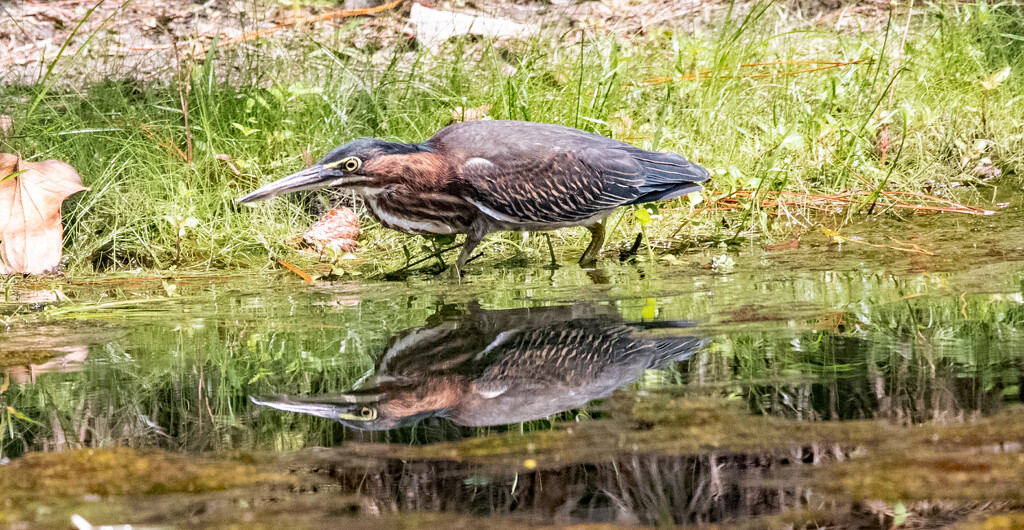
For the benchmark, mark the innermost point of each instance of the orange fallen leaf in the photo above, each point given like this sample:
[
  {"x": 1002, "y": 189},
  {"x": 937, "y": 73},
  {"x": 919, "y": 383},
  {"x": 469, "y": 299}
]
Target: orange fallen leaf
[
  {"x": 31, "y": 194},
  {"x": 297, "y": 271}
]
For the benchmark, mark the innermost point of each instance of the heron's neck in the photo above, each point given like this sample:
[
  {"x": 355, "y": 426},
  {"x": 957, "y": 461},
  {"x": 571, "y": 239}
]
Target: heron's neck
[
  {"x": 419, "y": 171},
  {"x": 398, "y": 148}
]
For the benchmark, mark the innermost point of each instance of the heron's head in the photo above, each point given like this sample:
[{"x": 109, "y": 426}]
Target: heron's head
[
  {"x": 365, "y": 162},
  {"x": 377, "y": 408},
  {"x": 359, "y": 410}
]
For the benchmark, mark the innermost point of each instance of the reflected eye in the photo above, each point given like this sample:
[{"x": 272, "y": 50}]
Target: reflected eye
[
  {"x": 351, "y": 164},
  {"x": 367, "y": 413}
]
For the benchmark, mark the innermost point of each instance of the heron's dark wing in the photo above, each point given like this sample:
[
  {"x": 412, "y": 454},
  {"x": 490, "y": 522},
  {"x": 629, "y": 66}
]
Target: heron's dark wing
[
  {"x": 507, "y": 139},
  {"x": 545, "y": 173},
  {"x": 444, "y": 347},
  {"x": 466, "y": 344},
  {"x": 559, "y": 187},
  {"x": 564, "y": 353}
]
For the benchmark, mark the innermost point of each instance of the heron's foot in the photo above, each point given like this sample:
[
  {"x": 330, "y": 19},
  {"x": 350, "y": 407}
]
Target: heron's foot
[
  {"x": 520, "y": 259},
  {"x": 589, "y": 257},
  {"x": 454, "y": 273}
]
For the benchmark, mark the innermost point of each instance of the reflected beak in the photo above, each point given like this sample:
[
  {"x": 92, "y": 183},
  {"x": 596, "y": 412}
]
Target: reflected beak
[
  {"x": 336, "y": 407},
  {"x": 307, "y": 179}
]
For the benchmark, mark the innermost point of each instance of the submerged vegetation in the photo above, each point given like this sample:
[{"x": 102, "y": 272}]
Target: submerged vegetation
[{"x": 929, "y": 99}]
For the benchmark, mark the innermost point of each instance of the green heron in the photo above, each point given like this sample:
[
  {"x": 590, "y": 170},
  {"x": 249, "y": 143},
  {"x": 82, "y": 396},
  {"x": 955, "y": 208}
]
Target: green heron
[
  {"x": 478, "y": 177},
  {"x": 501, "y": 367}
]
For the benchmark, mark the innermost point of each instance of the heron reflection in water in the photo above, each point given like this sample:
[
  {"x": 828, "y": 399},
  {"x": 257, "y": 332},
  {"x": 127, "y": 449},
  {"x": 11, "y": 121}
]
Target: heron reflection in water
[{"x": 503, "y": 366}]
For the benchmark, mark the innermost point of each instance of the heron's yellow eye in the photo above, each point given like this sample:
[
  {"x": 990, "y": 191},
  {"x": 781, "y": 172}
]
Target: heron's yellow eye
[
  {"x": 351, "y": 163},
  {"x": 368, "y": 414}
]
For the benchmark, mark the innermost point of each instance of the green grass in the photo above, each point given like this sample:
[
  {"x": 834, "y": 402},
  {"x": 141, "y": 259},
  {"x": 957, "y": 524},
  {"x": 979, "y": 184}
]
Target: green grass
[{"x": 150, "y": 208}]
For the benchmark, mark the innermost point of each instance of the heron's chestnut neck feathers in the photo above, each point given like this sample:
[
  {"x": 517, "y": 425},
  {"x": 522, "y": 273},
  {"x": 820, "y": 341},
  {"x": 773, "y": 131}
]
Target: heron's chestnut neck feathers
[
  {"x": 422, "y": 170},
  {"x": 434, "y": 393}
]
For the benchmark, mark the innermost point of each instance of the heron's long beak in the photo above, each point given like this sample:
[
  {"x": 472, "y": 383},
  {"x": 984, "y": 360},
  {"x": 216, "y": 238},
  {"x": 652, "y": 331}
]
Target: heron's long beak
[{"x": 310, "y": 178}]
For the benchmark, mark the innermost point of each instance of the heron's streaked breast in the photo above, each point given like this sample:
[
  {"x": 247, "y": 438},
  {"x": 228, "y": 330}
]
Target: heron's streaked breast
[{"x": 419, "y": 213}]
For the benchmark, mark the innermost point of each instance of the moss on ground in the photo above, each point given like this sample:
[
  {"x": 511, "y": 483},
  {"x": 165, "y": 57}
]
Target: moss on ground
[
  {"x": 861, "y": 463},
  {"x": 1003, "y": 521},
  {"x": 919, "y": 474},
  {"x": 74, "y": 477},
  {"x": 976, "y": 460},
  {"x": 125, "y": 471}
]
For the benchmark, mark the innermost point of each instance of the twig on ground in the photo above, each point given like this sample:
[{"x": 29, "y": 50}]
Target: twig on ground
[
  {"x": 830, "y": 203},
  {"x": 184, "y": 79},
  {"x": 908, "y": 247},
  {"x": 166, "y": 143},
  {"x": 819, "y": 66},
  {"x": 430, "y": 256},
  {"x": 858, "y": 175},
  {"x": 197, "y": 47}
]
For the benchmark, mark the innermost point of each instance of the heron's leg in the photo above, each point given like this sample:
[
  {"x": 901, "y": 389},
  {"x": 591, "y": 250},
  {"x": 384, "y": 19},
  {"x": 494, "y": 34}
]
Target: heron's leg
[
  {"x": 589, "y": 256},
  {"x": 551, "y": 250},
  {"x": 473, "y": 238}
]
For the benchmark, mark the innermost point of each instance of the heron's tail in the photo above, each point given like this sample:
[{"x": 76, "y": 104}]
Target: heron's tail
[
  {"x": 667, "y": 176},
  {"x": 675, "y": 350},
  {"x": 674, "y": 340}
]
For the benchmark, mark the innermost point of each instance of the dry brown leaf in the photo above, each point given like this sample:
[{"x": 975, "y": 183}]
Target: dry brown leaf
[
  {"x": 307, "y": 158},
  {"x": 31, "y": 194},
  {"x": 64, "y": 359},
  {"x": 227, "y": 160},
  {"x": 338, "y": 227},
  {"x": 434, "y": 26},
  {"x": 622, "y": 125},
  {"x": 471, "y": 113},
  {"x": 993, "y": 81},
  {"x": 792, "y": 244}
]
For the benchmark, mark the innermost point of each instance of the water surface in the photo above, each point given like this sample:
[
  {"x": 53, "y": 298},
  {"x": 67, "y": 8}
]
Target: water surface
[{"x": 666, "y": 393}]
